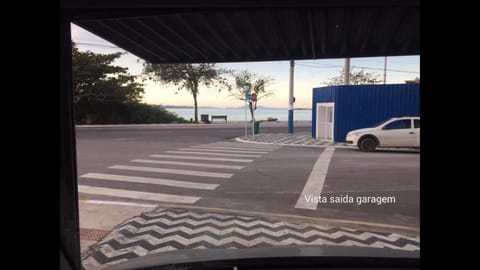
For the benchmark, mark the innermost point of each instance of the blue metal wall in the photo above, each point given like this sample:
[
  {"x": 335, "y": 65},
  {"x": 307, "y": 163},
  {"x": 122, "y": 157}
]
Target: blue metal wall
[
  {"x": 360, "y": 106},
  {"x": 320, "y": 94}
]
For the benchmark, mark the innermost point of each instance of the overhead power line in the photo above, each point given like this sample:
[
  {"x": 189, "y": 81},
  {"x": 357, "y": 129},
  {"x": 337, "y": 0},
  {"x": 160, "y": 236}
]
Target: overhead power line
[
  {"x": 98, "y": 45},
  {"x": 394, "y": 70},
  {"x": 328, "y": 61},
  {"x": 320, "y": 66},
  {"x": 330, "y": 66}
]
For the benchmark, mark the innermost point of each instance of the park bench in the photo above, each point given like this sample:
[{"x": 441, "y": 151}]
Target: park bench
[{"x": 219, "y": 117}]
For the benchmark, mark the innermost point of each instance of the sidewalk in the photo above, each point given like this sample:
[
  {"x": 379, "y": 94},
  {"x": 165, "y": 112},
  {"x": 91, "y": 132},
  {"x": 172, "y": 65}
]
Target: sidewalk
[
  {"x": 98, "y": 219},
  {"x": 298, "y": 138},
  {"x": 216, "y": 124},
  {"x": 162, "y": 230}
]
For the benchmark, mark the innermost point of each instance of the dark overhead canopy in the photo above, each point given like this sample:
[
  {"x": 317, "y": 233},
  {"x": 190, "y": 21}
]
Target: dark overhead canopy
[{"x": 187, "y": 31}]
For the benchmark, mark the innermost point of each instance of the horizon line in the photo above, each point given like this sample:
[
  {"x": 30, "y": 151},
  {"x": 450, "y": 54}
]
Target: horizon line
[{"x": 225, "y": 107}]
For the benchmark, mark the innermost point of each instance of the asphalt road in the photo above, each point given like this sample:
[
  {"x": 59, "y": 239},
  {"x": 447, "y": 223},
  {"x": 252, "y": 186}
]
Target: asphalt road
[{"x": 269, "y": 180}]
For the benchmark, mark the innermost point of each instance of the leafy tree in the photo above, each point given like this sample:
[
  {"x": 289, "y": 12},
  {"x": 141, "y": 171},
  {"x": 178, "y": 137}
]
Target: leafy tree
[
  {"x": 360, "y": 77},
  {"x": 96, "y": 79},
  {"x": 416, "y": 80},
  {"x": 187, "y": 76},
  {"x": 100, "y": 87},
  {"x": 149, "y": 114},
  {"x": 108, "y": 94},
  {"x": 257, "y": 83}
]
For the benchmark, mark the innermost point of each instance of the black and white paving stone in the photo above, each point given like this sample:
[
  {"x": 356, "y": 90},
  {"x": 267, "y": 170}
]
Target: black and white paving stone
[
  {"x": 163, "y": 230},
  {"x": 300, "y": 138}
]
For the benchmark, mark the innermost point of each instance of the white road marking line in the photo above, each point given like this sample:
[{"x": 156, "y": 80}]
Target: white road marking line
[
  {"x": 220, "y": 150},
  {"x": 212, "y": 154},
  {"x": 137, "y": 194},
  {"x": 118, "y": 203},
  {"x": 203, "y": 158},
  {"x": 172, "y": 171},
  {"x": 194, "y": 164},
  {"x": 148, "y": 180},
  {"x": 316, "y": 180},
  {"x": 231, "y": 148}
]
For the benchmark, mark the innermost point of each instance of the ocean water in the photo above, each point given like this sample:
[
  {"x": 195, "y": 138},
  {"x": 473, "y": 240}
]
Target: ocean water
[{"x": 237, "y": 114}]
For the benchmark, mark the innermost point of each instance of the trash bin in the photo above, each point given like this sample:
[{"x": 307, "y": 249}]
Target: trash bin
[
  {"x": 256, "y": 127},
  {"x": 204, "y": 118}
]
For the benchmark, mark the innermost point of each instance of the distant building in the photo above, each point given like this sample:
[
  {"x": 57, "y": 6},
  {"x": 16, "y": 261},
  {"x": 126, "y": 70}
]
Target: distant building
[{"x": 336, "y": 110}]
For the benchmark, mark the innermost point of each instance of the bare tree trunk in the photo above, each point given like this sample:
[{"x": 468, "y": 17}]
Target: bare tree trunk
[{"x": 195, "y": 104}]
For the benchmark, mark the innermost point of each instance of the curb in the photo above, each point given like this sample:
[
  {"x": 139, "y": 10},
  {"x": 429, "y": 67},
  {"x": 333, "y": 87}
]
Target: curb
[
  {"x": 309, "y": 220},
  {"x": 238, "y": 139}
]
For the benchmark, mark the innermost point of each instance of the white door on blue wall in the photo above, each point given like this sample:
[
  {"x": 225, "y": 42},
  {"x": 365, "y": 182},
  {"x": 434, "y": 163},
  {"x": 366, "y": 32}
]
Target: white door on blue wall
[{"x": 325, "y": 120}]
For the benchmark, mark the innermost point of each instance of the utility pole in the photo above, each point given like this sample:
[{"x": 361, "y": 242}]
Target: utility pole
[
  {"x": 246, "y": 90},
  {"x": 385, "y": 71},
  {"x": 347, "y": 71},
  {"x": 290, "y": 99}
]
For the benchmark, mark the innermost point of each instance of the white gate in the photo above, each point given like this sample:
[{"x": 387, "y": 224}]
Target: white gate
[{"x": 325, "y": 117}]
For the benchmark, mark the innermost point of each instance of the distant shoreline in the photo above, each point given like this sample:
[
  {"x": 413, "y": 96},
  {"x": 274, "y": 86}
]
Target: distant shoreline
[{"x": 207, "y": 107}]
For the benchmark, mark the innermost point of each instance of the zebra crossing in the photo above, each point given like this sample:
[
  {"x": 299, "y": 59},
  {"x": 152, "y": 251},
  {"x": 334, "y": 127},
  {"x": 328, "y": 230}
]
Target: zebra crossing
[{"x": 178, "y": 169}]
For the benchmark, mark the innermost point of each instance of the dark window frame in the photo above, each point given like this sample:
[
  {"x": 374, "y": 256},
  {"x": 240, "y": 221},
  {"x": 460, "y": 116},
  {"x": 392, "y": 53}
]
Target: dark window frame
[
  {"x": 415, "y": 121},
  {"x": 409, "y": 121}
]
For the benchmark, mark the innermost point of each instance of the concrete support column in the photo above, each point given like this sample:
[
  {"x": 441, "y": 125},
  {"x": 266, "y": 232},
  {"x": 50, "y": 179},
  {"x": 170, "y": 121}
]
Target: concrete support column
[{"x": 290, "y": 99}]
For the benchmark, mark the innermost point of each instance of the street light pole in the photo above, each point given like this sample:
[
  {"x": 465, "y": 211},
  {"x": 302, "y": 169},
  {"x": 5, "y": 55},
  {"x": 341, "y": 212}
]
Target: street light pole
[{"x": 245, "y": 117}]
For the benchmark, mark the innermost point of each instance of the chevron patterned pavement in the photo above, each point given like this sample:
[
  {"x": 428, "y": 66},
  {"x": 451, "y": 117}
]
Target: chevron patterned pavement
[
  {"x": 175, "y": 229},
  {"x": 299, "y": 138}
]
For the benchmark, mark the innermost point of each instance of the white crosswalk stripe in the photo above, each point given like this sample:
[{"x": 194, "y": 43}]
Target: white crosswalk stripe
[
  {"x": 193, "y": 164},
  {"x": 160, "y": 197},
  {"x": 243, "y": 145},
  {"x": 148, "y": 180},
  {"x": 211, "y": 154},
  {"x": 231, "y": 148},
  {"x": 223, "y": 151},
  {"x": 203, "y": 158},
  {"x": 215, "y": 158},
  {"x": 172, "y": 171}
]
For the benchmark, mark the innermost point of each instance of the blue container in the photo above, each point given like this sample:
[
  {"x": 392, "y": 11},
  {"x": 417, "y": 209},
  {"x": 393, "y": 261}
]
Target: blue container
[{"x": 361, "y": 106}]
